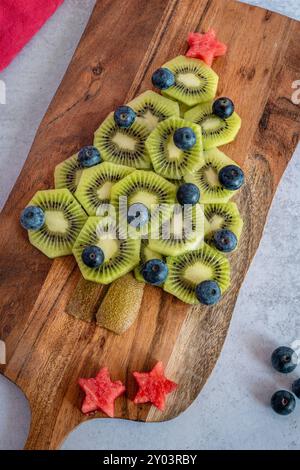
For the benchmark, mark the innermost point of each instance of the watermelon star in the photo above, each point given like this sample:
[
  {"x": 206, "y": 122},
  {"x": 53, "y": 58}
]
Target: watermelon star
[
  {"x": 153, "y": 386},
  {"x": 100, "y": 393},
  {"x": 205, "y": 46}
]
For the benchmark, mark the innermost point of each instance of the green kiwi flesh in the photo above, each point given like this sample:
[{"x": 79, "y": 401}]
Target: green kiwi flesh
[
  {"x": 145, "y": 187},
  {"x": 120, "y": 255},
  {"x": 167, "y": 159},
  {"x": 152, "y": 108},
  {"x": 123, "y": 146},
  {"x": 195, "y": 82},
  {"x": 67, "y": 174},
  {"x": 207, "y": 177},
  {"x": 64, "y": 218},
  {"x": 222, "y": 216},
  {"x": 215, "y": 130},
  {"x": 94, "y": 189},
  {"x": 146, "y": 255},
  {"x": 174, "y": 237},
  {"x": 189, "y": 269}
]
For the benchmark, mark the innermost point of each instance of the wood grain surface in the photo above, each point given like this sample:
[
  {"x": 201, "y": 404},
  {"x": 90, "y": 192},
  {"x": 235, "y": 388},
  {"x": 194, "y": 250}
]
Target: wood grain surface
[{"x": 124, "y": 42}]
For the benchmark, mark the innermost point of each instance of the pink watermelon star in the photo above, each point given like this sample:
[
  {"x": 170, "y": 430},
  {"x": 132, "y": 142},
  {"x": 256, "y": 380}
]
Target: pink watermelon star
[
  {"x": 153, "y": 386},
  {"x": 100, "y": 393},
  {"x": 205, "y": 47}
]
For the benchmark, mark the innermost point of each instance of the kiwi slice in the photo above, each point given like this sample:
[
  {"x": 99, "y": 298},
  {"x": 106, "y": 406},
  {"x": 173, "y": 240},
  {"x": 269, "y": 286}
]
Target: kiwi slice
[
  {"x": 64, "y": 218},
  {"x": 145, "y": 187},
  {"x": 182, "y": 232},
  {"x": 189, "y": 269},
  {"x": 167, "y": 159},
  {"x": 222, "y": 216},
  {"x": 121, "y": 304},
  {"x": 145, "y": 255},
  {"x": 120, "y": 255},
  {"x": 151, "y": 108},
  {"x": 215, "y": 130},
  {"x": 176, "y": 183},
  {"x": 195, "y": 82},
  {"x": 96, "y": 183},
  {"x": 207, "y": 177},
  {"x": 67, "y": 174},
  {"x": 124, "y": 146}
]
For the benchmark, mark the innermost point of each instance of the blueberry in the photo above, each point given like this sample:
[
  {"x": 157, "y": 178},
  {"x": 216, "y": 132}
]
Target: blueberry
[
  {"x": 32, "y": 218},
  {"x": 188, "y": 193},
  {"x": 124, "y": 116},
  {"x": 163, "y": 78},
  {"x": 89, "y": 156},
  {"x": 223, "y": 108},
  {"x": 283, "y": 402},
  {"x": 231, "y": 177},
  {"x": 184, "y": 138},
  {"x": 296, "y": 388},
  {"x": 208, "y": 292},
  {"x": 137, "y": 215},
  {"x": 284, "y": 359},
  {"x": 155, "y": 271},
  {"x": 92, "y": 256},
  {"x": 225, "y": 240}
]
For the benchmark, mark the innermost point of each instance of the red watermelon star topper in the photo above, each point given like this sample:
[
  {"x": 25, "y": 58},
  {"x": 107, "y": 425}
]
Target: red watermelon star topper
[
  {"x": 100, "y": 393},
  {"x": 205, "y": 47},
  {"x": 153, "y": 386}
]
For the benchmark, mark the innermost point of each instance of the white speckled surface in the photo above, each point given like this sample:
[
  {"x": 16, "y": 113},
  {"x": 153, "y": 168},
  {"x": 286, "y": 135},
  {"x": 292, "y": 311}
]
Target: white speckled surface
[{"x": 232, "y": 412}]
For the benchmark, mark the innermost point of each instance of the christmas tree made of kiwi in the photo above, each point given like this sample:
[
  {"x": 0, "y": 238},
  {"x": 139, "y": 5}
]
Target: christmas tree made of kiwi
[{"x": 158, "y": 149}]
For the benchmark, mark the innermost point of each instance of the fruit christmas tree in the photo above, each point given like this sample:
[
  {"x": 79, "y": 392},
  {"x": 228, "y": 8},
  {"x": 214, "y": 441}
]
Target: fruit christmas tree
[{"x": 157, "y": 151}]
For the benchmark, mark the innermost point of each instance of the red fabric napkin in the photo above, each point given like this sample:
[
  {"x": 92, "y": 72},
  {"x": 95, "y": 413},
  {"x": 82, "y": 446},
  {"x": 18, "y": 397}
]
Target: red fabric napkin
[{"x": 19, "y": 21}]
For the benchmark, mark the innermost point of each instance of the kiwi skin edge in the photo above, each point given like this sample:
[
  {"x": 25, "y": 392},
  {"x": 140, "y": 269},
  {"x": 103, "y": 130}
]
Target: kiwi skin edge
[{"x": 121, "y": 305}]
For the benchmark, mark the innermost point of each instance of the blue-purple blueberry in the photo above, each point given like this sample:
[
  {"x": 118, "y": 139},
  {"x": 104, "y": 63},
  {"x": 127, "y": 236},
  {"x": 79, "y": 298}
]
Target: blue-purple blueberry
[
  {"x": 124, "y": 116},
  {"x": 231, "y": 177},
  {"x": 32, "y": 218},
  {"x": 223, "y": 107},
  {"x": 155, "y": 272},
  {"x": 225, "y": 240},
  {"x": 283, "y": 402},
  {"x": 188, "y": 193},
  {"x": 92, "y": 256},
  {"x": 184, "y": 138},
  {"x": 89, "y": 156},
  {"x": 284, "y": 359},
  {"x": 163, "y": 78},
  {"x": 208, "y": 292}
]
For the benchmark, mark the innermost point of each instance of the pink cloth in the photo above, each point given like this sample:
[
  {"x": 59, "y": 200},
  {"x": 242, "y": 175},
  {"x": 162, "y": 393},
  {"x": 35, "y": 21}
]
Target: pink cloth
[{"x": 19, "y": 21}]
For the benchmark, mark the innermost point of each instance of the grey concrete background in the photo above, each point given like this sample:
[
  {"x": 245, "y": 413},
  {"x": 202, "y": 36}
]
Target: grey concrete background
[{"x": 232, "y": 412}]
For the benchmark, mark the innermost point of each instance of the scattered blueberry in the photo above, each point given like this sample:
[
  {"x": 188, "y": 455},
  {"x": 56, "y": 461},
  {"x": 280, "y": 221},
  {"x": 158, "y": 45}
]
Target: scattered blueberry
[
  {"x": 223, "y": 108},
  {"x": 231, "y": 177},
  {"x": 92, "y": 256},
  {"x": 296, "y": 388},
  {"x": 89, "y": 156},
  {"x": 137, "y": 215},
  {"x": 184, "y": 138},
  {"x": 225, "y": 240},
  {"x": 208, "y": 292},
  {"x": 124, "y": 116},
  {"x": 188, "y": 193},
  {"x": 163, "y": 78},
  {"x": 284, "y": 359},
  {"x": 155, "y": 271},
  {"x": 32, "y": 218},
  {"x": 283, "y": 402}
]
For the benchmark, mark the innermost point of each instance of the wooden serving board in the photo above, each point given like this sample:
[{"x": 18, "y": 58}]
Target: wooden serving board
[{"x": 124, "y": 42}]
